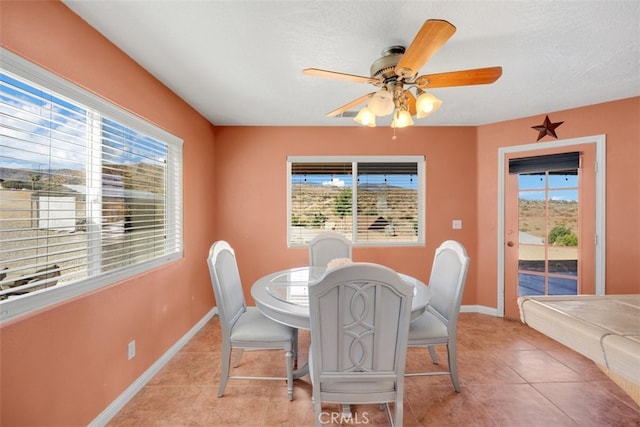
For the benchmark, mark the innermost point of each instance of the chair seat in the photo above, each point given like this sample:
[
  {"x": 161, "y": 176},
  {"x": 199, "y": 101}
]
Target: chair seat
[
  {"x": 428, "y": 327},
  {"x": 253, "y": 326}
]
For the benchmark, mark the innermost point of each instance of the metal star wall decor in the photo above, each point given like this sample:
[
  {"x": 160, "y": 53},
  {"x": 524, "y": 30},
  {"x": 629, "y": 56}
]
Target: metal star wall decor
[{"x": 547, "y": 128}]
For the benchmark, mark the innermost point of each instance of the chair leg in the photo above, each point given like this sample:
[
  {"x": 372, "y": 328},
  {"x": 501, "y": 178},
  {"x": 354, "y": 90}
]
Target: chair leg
[
  {"x": 397, "y": 413},
  {"x": 238, "y": 357},
  {"x": 434, "y": 355},
  {"x": 295, "y": 350},
  {"x": 289, "y": 356},
  {"x": 453, "y": 365},
  {"x": 225, "y": 362},
  {"x": 317, "y": 413}
]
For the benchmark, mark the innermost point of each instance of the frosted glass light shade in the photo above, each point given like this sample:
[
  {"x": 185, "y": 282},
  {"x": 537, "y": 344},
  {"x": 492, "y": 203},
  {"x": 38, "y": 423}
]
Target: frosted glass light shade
[
  {"x": 381, "y": 103},
  {"x": 426, "y": 104},
  {"x": 401, "y": 119},
  {"x": 366, "y": 117}
]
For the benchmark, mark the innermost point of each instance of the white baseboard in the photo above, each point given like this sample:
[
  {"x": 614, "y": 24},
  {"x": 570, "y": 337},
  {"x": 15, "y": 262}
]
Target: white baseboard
[
  {"x": 133, "y": 389},
  {"x": 479, "y": 309}
]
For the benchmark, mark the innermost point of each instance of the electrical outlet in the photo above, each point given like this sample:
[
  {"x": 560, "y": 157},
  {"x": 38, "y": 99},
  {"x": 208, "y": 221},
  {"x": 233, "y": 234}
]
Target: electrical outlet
[
  {"x": 131, "y": 350},
  {"x": 456, "y": 224}
]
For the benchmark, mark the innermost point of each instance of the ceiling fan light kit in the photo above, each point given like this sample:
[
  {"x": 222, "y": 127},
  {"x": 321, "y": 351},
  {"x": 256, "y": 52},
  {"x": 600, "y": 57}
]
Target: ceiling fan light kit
[{"x": 396, "y": 74}]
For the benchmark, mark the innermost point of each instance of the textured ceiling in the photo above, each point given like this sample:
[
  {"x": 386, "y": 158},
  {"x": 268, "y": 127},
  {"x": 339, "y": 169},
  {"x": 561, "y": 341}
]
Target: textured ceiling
[{"x": 239, "y": 63}]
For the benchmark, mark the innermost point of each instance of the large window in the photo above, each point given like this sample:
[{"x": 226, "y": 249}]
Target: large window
[
  {"x": 372, "y": 200},
  {"x": 89, "y": 193}
]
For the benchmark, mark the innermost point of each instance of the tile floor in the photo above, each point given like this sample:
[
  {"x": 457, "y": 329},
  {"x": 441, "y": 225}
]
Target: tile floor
[{"x": 511, "y": 375}]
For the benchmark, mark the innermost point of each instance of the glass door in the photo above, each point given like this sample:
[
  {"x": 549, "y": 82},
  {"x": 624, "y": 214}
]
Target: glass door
[
  {"x": 548, "y": 233},
  {"x": 549, "y": 228}
]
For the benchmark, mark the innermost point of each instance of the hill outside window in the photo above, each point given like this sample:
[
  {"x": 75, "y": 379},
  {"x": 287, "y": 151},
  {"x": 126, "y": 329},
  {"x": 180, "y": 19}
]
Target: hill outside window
[
  {"x": 89, "y": 193},
  {"x": 372, "y": 200}
]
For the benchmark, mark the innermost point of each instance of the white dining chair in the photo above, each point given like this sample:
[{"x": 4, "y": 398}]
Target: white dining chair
[
  {"x": 327, "y": 246},
  {"x": 359, "y": 318},
  {"x": 245, "y": 327},
  {"x": 438, "y": 325}
]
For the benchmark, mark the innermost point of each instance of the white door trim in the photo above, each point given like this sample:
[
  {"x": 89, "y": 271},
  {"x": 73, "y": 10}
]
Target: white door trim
[{"x": 600, "y": 253}]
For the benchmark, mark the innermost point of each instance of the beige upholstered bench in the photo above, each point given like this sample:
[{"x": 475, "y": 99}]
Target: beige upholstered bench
[{"x": 606, "y": 329}]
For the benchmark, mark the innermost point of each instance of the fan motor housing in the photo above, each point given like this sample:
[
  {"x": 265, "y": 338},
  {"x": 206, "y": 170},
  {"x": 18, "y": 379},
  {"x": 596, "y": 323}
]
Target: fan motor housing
[{"x": 384, "y": 67}]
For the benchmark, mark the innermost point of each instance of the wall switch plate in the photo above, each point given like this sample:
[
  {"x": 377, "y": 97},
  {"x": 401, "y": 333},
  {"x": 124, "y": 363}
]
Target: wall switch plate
[
  {"x": 456, "y": 224},
  {"x": 131, "y": 350}
]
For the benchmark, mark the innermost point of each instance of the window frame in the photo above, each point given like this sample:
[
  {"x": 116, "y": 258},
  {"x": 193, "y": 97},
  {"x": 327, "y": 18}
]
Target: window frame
[
  {"x": 354, "y": 160},
  {"x": 33, "y": 301}
]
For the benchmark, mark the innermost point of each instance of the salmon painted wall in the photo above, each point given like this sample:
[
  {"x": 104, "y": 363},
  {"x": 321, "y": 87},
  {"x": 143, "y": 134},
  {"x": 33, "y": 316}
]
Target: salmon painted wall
[
  {"x": 620, "y": 122},
  {"x": 251, "y": 191},
  {"x": 66, "y": 364}
]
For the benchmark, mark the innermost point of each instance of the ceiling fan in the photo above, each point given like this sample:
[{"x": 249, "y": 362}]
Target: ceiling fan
[{"x": 395, "y": 73}]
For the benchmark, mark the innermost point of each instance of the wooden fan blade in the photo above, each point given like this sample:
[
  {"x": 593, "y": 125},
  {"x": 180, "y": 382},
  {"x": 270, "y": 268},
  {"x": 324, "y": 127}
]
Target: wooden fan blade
[
  {"x": 478, "y": 76},
  {"x": 340, "y": 76},
  {"x": 433, "y": 34},
  {"x": 348, "y": 106}
]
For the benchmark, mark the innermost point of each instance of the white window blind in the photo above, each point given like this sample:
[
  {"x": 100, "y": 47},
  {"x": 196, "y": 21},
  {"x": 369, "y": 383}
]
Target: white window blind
[
  {"x": 89, "y": 194},
  {"x": 385, "y": 193}
]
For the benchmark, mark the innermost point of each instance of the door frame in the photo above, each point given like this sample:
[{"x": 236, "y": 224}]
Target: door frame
[{"x": 600, "y": 190}]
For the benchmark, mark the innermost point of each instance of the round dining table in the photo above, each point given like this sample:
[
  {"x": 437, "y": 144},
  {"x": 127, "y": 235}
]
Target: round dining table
[{"x": 283, "y": 296}]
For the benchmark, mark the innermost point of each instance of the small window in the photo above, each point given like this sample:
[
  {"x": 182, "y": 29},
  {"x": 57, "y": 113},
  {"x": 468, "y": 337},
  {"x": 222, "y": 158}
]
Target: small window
[
  {"x": 89, "y": 194},
  {"x": 371, "y": 200}
]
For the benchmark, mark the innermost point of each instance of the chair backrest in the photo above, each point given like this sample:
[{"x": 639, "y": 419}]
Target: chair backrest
[
  {"x": 227, "y": 286},
  {"x": 447, "y": 280},
  {"x": 359, "y": 317},
  {"x": 327, "y": 246}
]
